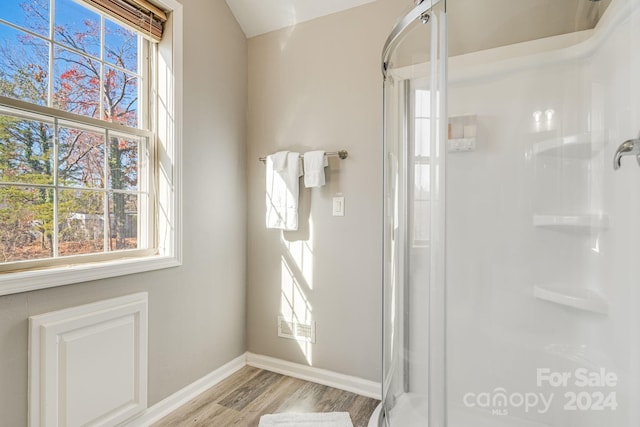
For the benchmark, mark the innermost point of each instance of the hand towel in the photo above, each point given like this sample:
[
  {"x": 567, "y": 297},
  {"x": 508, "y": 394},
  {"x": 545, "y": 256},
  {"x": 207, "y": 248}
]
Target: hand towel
[
  {"x": 283, "y": 188},
  {"x": 314, "y": 164},
  {"x": 279, "y": 160}
]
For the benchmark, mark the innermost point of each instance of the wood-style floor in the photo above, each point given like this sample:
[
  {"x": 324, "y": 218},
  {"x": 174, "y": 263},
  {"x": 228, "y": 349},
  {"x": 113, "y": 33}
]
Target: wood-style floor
[{"x": 241, "y": 399}]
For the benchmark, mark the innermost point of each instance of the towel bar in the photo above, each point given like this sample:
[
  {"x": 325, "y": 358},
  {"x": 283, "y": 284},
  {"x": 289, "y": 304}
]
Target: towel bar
[{"x": 343, "y": 154}]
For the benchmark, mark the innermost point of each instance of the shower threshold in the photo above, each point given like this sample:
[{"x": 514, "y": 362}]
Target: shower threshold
[{"x": 410, "y": 410}]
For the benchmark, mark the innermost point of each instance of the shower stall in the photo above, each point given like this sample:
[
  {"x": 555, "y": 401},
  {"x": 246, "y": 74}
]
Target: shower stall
[{"x": 512, "y": 215}]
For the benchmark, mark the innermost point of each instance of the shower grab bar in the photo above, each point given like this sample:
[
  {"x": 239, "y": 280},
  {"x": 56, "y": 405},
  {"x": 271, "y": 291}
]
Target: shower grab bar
[
  {"x": 418, "y": 12},
  {"x": 630, "y": 147},
  {"x": 342, "y": 154}
]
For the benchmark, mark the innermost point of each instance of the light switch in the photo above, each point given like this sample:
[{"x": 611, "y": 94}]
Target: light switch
[{"x": 338, "y": 206}]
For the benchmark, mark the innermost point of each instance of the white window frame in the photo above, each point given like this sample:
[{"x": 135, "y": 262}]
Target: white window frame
[{"x": 167, "y": 102}]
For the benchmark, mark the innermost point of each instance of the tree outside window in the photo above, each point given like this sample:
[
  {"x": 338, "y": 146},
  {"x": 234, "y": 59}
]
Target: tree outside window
[{"x": 69, "y": 187}]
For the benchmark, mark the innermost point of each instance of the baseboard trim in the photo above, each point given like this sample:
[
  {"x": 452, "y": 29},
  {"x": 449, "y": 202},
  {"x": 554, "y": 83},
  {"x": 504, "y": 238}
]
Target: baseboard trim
[
  {"x": 356, "y": 385},
  {"x": 179, "y": 398},
  {"x": 308, "y": 373}
]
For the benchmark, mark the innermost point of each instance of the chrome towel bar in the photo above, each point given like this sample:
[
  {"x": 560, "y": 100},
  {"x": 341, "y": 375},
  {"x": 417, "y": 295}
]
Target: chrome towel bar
[{"x": 342, "y": 154}]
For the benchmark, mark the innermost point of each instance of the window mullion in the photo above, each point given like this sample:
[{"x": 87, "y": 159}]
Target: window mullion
[
  {"x": 105, "y": 197},
  {"x": 56, "y": 193},
  {"x": 52, "y": 15},
  {"x": 101, "y": 95}
]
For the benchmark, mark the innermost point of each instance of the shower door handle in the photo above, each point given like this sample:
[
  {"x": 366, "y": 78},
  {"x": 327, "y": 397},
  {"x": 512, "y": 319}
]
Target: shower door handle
[{"x": 627, "y": 148}]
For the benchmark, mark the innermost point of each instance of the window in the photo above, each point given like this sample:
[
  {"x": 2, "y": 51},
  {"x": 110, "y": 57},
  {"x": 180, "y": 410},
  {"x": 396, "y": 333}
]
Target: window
[
  {"x": 82, "y": 126},
  {"x": 421, "y": 167}
]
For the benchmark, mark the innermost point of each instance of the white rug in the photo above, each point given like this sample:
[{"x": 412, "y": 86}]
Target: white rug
[{"x": 315, "y": 419}]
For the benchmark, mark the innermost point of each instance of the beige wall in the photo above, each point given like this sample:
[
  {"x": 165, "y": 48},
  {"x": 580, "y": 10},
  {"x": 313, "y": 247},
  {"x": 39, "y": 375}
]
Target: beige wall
[
  {"x": 197, "y": 311},
  {"x": 318, "y": 85}
]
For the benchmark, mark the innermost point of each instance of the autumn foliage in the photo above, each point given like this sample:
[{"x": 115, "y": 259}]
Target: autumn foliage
[{"x": 66, "y": 186}]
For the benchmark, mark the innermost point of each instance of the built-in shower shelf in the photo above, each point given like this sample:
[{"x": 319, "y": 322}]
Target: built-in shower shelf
[
  {"x": 457, "y": 145},
  {"x": 581, "y": 299},
  {"x": 580, "y": 146},
  {"x": 572, "y": 222}
]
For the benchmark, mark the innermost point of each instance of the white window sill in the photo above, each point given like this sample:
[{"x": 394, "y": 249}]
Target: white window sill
[{"x": 24, "y": 281}]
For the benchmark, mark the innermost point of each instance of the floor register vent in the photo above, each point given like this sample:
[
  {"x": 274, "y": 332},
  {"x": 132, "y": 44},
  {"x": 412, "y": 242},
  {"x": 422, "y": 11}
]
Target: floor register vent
[{"x": 292, "y": 329}]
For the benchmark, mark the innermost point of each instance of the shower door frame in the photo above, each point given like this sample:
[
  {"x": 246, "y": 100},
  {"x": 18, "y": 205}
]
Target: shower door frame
[{"x": 436, "y": 305}]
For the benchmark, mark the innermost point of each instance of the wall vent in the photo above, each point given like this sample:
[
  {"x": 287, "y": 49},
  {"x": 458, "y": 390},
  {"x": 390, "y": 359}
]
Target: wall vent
[{"x": 292, "y": 329}]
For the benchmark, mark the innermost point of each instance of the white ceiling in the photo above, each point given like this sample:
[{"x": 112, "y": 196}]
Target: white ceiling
[{"x": 261, "y": 16}]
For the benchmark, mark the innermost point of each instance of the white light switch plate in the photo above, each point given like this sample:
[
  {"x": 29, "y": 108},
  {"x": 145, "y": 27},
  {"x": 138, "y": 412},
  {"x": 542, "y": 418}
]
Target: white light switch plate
[{"x": 338, "y": 206}]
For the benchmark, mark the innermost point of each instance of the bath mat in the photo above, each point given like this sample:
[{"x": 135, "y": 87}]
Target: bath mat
[{"x": 314, "y": 419}]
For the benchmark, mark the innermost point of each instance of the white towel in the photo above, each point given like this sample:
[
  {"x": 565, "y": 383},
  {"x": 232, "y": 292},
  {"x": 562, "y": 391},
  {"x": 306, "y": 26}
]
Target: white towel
[
  {"x": 279, "y": 160},
  {"x": 283, "y": 188},
  {"x": 314, "y": 164}
]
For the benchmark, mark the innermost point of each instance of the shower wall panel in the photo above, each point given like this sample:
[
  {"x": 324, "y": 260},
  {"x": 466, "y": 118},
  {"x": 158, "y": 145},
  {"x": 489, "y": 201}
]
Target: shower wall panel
[{"x": 541, "y": 232}]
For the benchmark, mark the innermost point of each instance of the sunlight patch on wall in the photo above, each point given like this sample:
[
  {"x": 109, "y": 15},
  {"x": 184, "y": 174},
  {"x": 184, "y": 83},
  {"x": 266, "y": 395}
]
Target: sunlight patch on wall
[
  {"x": 301, "y": 254},
  {"x": 294, "y": 305}
]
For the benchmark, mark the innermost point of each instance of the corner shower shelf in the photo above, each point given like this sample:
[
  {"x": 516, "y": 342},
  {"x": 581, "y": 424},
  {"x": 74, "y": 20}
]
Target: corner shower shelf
[
  {"x": 457, "y": 145},
  {"x": 581, "y": 299},
  {"x": 572, "y": 222},
  {"x": 578, "y": 146}
]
